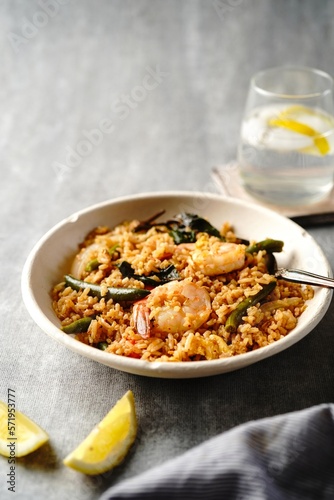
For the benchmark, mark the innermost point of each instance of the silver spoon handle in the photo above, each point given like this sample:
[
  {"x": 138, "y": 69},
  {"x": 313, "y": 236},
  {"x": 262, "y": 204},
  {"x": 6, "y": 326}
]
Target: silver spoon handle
[{"x": 304, "y": 277}]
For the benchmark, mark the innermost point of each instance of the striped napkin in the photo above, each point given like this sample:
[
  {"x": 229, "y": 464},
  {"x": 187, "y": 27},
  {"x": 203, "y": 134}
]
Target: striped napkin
[{"x": 289, "y": 456}]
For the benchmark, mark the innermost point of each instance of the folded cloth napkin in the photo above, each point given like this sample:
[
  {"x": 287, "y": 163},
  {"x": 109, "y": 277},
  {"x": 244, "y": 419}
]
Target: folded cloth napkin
[{"x": 290, "y": 456}]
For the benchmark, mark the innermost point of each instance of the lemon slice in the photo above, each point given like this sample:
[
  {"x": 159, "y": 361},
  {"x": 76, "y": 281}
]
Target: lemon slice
[
  {"x": 320, "y": 142},
  {"x": 19, "y": 435},
  {"x": 109, "y": 442},
  {"x": 298, "y": 110},
  {"x": 289, "y": 119}
]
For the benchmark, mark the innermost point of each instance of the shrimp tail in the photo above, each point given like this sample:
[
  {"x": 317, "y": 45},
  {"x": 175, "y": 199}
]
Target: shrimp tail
[{"x": 141, "y": 318}]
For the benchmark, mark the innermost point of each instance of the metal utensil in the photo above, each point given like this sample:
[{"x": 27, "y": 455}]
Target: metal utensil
[{"x": 304, "y": 277}]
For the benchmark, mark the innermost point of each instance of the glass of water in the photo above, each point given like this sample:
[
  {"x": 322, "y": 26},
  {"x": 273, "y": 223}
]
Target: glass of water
[{"x": 286, "y": 148}]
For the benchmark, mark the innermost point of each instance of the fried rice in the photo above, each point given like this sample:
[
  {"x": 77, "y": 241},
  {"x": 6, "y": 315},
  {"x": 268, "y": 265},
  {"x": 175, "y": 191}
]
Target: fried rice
[{"x": 150, "y": 250}]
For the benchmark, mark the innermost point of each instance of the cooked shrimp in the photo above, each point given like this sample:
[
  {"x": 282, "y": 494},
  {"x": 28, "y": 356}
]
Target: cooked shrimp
[
  {"x": 82, "y": 258},
  {"x": 174, "y": 307},
  {"x": 214, "y": 257},
  {"x": 90, "y": 257}
]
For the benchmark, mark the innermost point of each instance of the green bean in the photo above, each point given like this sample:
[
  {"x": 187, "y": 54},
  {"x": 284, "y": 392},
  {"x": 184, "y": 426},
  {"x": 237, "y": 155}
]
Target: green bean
[
  {"x": 116, "y": 294},
  {"x": 269, "y": 245},
  {"x": 102, "y": 345},
  {"x": 270, "y": 262},
  {"x": 235, "y": 318},
  {"x": 79, "y": 326},
  {"x": 91, "y": 265}
]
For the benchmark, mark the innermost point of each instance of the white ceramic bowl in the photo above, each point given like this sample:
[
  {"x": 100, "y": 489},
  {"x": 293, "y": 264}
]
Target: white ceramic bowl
[{"x": 50, "y": 260}]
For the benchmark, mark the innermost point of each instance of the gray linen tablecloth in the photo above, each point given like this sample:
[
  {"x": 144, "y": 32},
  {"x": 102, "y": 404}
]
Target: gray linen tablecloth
[{"x": 171, "y": 77}]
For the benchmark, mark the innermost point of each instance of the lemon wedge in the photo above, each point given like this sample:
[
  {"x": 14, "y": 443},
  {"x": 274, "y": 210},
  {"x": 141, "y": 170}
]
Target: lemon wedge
[
  {"x": 19, "y": 435},
  {"x": 109, "y": 442},
  {"x": 289, "y": 119}
]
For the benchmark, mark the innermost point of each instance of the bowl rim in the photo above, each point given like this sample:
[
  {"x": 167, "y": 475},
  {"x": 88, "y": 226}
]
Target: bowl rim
[{"x": 163, "y": 369}]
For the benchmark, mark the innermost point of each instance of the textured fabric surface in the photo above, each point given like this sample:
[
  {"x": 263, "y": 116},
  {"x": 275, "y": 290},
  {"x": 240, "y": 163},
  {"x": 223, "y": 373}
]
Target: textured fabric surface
[{"x": 285, "y": 457}]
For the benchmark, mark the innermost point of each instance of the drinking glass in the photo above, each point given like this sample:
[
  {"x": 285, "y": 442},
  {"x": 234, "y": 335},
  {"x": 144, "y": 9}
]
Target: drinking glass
[{"x": 286, "y": 147}]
